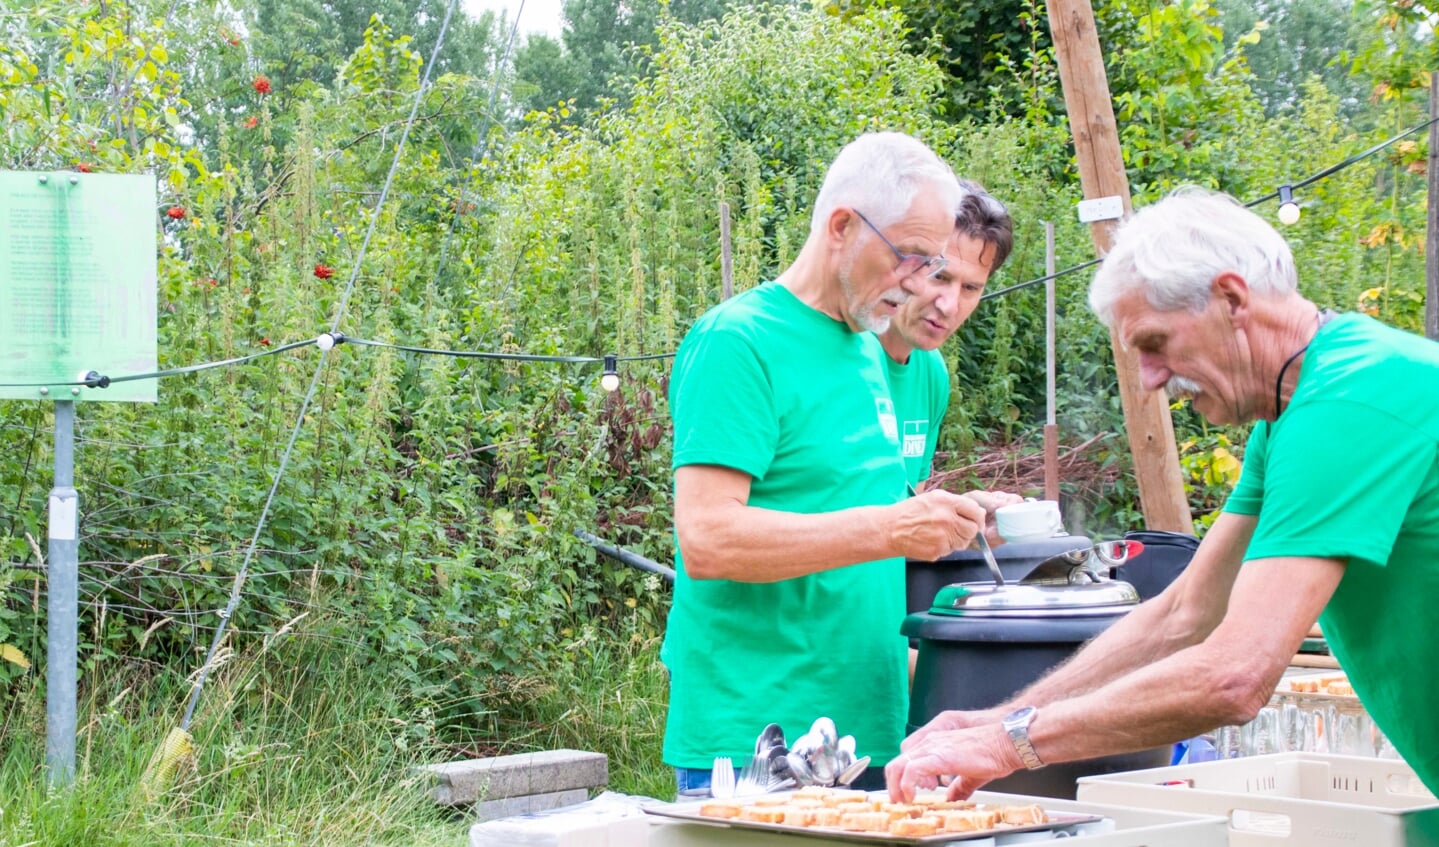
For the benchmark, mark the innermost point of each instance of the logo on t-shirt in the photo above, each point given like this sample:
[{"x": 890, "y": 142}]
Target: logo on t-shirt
[
  {"x": 887, "y": 421},
  {"x": 915, "y": 433}
]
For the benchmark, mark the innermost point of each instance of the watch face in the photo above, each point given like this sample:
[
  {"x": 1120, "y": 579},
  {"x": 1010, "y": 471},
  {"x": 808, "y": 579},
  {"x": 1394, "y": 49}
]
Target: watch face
[{"x": 1020, "y": 715}]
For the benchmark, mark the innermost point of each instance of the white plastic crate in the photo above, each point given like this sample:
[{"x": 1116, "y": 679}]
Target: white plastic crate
[
  {"x": 1124, "y": 827},
  {"x": 1301, "y": 799}
]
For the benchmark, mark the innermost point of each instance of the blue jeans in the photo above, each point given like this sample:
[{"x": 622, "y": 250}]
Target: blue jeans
[{"x": 692, "y": 782}]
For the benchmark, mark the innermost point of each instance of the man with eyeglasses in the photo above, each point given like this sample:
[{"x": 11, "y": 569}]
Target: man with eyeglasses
[{"x": 791, "y": 517}]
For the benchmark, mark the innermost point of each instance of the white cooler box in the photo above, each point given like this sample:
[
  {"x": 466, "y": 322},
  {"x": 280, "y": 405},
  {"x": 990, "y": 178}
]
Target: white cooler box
[
  {"x": 1125, "y": 827},
  {"x": 1299, "y": 799}
]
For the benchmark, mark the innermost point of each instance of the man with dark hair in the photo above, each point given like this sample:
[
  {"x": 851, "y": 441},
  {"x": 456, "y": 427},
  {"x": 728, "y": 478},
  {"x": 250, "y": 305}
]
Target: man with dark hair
[{"x": 918, "y": 377}]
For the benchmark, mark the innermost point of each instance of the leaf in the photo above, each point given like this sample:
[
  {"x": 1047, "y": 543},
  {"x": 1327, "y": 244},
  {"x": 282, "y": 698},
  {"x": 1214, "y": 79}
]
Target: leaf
[{"x": 12, "y": 654}]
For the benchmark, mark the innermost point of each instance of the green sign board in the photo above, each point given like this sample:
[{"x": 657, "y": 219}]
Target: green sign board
[{"x": 77, "y": 284}]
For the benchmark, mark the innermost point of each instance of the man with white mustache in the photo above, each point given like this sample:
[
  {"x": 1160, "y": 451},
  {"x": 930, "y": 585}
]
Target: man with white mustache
[
  {"x": 791, "y": 520},
  {"x": 1335, "y": 516}
]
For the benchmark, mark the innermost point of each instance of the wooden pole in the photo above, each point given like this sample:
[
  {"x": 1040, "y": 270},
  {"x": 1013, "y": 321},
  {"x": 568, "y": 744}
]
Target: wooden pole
[
  {"x": 1101, "y": 172},
  {"x": 1051, "y": 426},
  {"x": 726, "y": 254},
  {"x": 1431, "y": 253}
]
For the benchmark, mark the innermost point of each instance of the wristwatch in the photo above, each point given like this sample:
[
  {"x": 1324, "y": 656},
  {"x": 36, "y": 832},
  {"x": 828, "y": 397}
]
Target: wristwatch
[{"x": 1016, "y": 724}]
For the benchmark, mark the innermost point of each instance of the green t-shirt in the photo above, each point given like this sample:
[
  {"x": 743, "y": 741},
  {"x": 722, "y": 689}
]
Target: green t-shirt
[
  {"x": 920, "y": 388},
  {"x": 769, "y": 386},
  {"x": 1351, "y": 471}
]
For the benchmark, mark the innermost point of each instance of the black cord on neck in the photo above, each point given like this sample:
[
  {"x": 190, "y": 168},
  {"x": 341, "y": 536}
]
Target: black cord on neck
[
  {"x": 1320, "y": 319},
  {"x": 1278, "y": 383}
]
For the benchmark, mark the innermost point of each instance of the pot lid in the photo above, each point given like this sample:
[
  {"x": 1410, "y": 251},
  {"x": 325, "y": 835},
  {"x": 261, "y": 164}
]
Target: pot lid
[{"x": 1023, "y": 600}]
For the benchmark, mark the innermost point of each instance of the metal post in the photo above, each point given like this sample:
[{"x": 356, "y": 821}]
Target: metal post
[
  {"x": 726, "y": 254},
  {"x": 62, "y": 621},
  {"x": 1051, "y": 426}
]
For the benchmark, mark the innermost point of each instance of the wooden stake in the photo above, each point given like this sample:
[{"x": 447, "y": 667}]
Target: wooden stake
[
  {"x": 1051, "y": 426},
  {"x": 1101, "y": 172},
  {"x": 726, "y": 254}
]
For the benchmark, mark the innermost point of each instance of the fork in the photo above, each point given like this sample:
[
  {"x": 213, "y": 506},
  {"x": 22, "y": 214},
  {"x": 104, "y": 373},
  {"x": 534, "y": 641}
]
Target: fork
[
  {"x": 754, "y": 777},
  {"x": 722, "y": 778}
]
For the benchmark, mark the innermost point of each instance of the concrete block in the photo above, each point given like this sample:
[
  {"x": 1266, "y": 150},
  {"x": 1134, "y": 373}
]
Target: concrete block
[
  {"x": 518, "y": 775},
  {"x": 509, "y": 807}
]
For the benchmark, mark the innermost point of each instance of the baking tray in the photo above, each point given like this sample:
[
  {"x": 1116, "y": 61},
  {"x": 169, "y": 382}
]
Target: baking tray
[{"x": 690, "y": 813}]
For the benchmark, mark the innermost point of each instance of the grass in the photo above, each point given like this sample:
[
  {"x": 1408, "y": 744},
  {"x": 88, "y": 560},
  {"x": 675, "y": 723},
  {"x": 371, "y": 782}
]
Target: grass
[{"x": 310, "y": 745}]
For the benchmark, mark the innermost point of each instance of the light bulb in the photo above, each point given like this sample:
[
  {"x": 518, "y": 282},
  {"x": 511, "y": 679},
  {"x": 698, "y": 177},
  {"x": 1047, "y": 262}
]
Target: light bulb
[
  {"x": 325, "y": 342},
  {"x": 611, "y": 379},
  {"x": 1288, "y": 208}
]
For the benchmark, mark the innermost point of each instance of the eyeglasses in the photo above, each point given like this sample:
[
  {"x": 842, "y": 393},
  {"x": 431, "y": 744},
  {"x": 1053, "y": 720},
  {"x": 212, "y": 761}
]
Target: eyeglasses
[{"x": 909, "y": 263}]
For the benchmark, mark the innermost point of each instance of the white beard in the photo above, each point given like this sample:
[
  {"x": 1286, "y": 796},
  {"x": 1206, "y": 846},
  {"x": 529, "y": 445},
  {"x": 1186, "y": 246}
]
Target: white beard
[{"x": 864, "y": 315}]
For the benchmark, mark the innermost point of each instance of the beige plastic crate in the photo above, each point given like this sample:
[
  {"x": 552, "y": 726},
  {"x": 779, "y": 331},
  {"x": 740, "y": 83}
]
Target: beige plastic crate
[
  {"x": 1126, "y": 827},
  {"x": 1301, "y": 799}
]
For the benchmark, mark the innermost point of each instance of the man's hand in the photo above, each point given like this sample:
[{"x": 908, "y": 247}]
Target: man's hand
[
  {"x": 991, "y": 501},
  {"x": 952, "y": 720},
  {"x": 972, "y": 756},
  {"x": 934, "y": 524}
]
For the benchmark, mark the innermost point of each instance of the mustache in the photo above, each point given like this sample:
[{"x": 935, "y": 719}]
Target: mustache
[{"x": 1179, "y": 386}]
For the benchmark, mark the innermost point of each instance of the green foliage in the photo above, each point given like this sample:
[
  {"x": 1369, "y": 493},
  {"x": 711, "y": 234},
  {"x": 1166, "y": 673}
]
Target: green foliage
[
  {"x": 428, "y": 505},
  {"x": 1299, "y": 39},
  {"x": 1210, "y": 471},
  {"x": 301, "y": 44},
  {"x": 985, "y": 49},
  {"x": 627, "y": 209},
  {"x": 604, "y": 48},
  {"x": 1183, "y": 100},
  {"x": 424, "y": 526}
]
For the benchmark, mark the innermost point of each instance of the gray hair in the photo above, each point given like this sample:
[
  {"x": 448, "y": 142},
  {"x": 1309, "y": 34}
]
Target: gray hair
[
  {"x": 880, "y": 173},
  {"x": 1175, "y": 248}
]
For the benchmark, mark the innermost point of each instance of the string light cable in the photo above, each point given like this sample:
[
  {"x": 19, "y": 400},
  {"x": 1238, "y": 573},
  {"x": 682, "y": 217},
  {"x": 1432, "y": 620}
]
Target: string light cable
[
  {"x": 97, "y": 380},
  {"x": 328, "y": 341}
]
